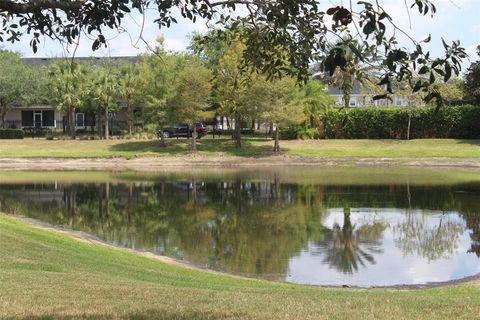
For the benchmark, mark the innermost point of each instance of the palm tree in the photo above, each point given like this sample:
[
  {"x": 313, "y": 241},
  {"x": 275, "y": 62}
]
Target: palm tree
[
  {"x": 104, "y": 92},
  {"x": 316, "y": 100},
  {"x": 67, "y": 81},
  {"x": 354, "y": 70},
  {"x": 347, "y": 247}
]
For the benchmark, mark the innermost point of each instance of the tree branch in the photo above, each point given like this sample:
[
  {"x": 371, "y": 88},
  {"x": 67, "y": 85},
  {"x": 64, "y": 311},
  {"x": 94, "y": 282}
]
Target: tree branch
[{"x": 14, "y": 7}]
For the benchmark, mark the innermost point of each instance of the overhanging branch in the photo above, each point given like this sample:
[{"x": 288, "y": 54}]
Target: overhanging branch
[{"x": 16, "y": 7}]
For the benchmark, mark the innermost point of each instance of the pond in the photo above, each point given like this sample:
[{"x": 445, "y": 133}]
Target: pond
[{"x": 319, "y": 226}]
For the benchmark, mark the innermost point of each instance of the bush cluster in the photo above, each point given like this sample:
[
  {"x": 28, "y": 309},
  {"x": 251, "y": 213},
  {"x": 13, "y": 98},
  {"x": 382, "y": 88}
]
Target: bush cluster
[
  {"x": 12, "y": 134},
  {"x": 460, "y": 122}
]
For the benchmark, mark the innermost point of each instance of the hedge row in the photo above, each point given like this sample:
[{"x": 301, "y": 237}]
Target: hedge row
[
  {"x": 12, "y": 134},
  {"x": 461, "y": 122}
]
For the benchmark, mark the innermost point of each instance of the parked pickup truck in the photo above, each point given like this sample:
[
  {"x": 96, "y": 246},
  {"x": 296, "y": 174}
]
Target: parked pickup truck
[{"x": 182, "y": 130}]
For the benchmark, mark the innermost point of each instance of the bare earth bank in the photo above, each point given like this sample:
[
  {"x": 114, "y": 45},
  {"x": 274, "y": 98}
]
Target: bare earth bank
[{"x": 163, "y": 163}]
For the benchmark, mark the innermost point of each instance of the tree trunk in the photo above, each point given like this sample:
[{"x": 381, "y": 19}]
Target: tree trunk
[
  {"x": 276, "y": 147},
  {"x": 238, "y": 132},
  {"x": 100, "y": 124},
  {"x": 409, "y": 125},
  {"x": 346, "y": 97},
  {"x": 130, "y": 118},
  {"x": 312, "y": 121},
  {"x": 107, "y": 134},
  {"x": 194, "y": 138},
  {"x": 71, "y": 121},
  {"x": 3, "y": 113},
  {"x": 321, "y": 129},
  {"x": 162, "y": 137}
]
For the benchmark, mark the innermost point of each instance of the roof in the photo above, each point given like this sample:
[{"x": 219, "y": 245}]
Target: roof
[{"x": 337, "y": 91}]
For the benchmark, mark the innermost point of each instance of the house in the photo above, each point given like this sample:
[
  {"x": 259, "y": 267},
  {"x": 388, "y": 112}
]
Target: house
[
  {"x": 360, "y": 99},
  {"x": 43, "y": 116}
]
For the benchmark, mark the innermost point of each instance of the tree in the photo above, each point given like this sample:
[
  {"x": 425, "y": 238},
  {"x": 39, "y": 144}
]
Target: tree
[
  {"x": 157, "y": 74},
  {"x": 353, "y": 71},
  {"x": 283, "y": 106},
  {"x": 193, "y": 96},
  {"x": 104, "y": 92},
  {"x": 316, "y": 100},
  {"x": 67, "y": 85},
  {"x": 296, "y": 31},
  {"x": 129, "y": 90},
  {"x": 472, "y": 81},
  {"x": 348, "y": 246},
  {"x": 19, "y": 84},
  {"x": 237, "y": 91}
]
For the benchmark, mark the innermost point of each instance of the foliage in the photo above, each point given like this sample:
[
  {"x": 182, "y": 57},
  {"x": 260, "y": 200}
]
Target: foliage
[
  {"x": 283, "y": 105},
  {"x": 240, "y": 94},
  {"x": 459, "y": 122},
  {"x": 452, "y": 91},
  {"x": 193, "y": 93},
  {"x": 103, "y": 91},
  {"x": 354, "y": 71},
  {"x": 67, "y": 85},
  {"x": 158, "y": 72},
  {"x": 19, "y": 84},
  {"x": 302, "y": 132},
  {"x": 130, "y": 90},
  {"x": 316, "y": 100},
  {"x": 11, "y": 134},
  {"x": 472, "y": 81},
  {"x": 274, "y": 32}
]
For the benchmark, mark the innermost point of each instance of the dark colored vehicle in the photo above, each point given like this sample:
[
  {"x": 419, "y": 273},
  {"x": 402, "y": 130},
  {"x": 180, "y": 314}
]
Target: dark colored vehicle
[{"x": 183, "y": 130}]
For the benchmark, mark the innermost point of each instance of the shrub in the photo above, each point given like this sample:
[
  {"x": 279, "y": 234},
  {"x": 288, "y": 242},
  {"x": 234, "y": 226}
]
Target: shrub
[
  {"x": 461, "y": 122},
  {"x": 303, "y": 132},
  {"x": 12, "y": 134}
]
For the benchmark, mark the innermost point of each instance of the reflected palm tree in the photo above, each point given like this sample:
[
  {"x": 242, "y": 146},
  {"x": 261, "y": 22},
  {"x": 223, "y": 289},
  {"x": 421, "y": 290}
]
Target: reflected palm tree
[{"x": 346, "y": 248}]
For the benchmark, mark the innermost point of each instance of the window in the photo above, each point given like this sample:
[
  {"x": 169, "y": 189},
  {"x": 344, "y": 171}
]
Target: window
[
  {"x": 27, "y": 118},
  {"x": 80, "y": 120},
  {"x": 90, "y": 120},
  {"x": 48, "y": 118}
]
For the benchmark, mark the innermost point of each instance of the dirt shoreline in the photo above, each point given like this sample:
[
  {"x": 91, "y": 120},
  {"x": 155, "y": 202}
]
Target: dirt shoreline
[
  {"x": 151, "y": 164},
  {"x": 92, "y": 240}
]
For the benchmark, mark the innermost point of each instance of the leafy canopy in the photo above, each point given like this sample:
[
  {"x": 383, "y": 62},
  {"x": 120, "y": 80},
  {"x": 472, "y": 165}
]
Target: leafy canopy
[{"x": 293, "y": 31}]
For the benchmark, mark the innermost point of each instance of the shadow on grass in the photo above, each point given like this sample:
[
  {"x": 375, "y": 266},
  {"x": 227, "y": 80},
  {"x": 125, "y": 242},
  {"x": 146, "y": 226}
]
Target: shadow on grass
[
  {"x": 141, "y": 315},
  {"x": 469, "y": 141},
  {"x": 173, "y": 147}
]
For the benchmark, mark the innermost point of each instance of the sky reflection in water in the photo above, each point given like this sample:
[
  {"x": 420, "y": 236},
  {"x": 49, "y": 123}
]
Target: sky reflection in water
[{"x": 270, "y": 227}]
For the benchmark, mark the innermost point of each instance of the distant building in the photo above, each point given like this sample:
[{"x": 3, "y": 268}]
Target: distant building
[
  {"x": 48, "y": 117},
  {"x": 359, "y": 99}
]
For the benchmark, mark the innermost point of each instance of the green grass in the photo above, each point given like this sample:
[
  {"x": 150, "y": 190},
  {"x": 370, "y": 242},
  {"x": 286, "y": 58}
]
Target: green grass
[
  {"x": 253, "y": 147},
  {"x": 46, "y": 275}
]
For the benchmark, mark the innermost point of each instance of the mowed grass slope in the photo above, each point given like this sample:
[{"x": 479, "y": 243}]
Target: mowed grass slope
[
  {"x": 252, "y": 147},
  {"x": 45, "y": 275}
]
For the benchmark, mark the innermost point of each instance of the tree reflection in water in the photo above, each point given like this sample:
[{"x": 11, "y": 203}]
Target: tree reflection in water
[
  {"x": 347, "y": 247},
  {"x": 249, "y": 226},
  {"x": 430, "y": 238}
]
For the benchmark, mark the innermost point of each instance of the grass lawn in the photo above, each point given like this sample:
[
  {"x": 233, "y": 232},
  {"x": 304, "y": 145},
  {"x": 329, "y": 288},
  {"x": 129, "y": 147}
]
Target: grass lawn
[
  {"x": 252, "y": 147},
  {"x": 45, "y": 275}
]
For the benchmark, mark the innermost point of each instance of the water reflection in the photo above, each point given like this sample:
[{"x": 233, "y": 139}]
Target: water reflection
[
  {"x": 348, "y": 246},
  {"x": 302, "y": 232}
]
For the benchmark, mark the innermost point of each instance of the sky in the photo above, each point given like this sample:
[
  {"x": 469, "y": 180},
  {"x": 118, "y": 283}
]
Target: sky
[{"x": 454, "y": 20}]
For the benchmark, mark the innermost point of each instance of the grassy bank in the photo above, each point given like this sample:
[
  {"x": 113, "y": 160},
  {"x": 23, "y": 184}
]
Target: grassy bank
[
  {"x": 252, "y": 147},
  {"x": 44, "y": 274}
]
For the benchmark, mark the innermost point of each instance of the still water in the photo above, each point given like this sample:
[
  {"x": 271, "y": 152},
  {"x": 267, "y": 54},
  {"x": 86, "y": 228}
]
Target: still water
[{"x": 360, "y": 227}]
